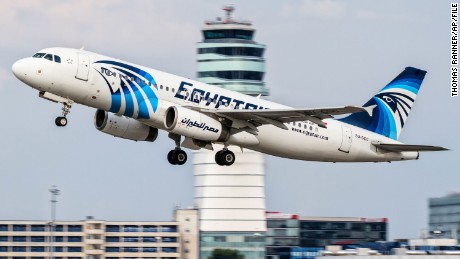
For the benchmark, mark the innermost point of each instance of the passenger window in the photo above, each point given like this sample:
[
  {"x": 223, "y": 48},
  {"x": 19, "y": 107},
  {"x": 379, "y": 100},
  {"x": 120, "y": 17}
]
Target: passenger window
[
  {"x": 167, "y": 88},
  {"x": 305, "y": 126},
  {"x": 57, "y": 59},
  {"x": 161, "y": 87},
  {"x": 49, "y": 57},
  {"x": 38, "y": 55},
  {"x": 172, "y": 90},
  {"x": 300, "y": 125}
]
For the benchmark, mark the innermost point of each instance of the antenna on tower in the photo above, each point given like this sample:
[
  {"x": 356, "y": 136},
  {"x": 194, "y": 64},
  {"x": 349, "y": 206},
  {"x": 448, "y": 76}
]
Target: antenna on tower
[{"x": 229, "y": 8}]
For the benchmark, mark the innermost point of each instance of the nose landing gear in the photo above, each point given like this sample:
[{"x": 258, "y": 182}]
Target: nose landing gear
[{"x": 61, "y": 121}]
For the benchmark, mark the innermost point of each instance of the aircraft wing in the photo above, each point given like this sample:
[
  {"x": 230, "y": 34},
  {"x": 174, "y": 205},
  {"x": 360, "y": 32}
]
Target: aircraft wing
[
  {"x": 277, "y": 117},
  {"x": 404, "y": 147}
]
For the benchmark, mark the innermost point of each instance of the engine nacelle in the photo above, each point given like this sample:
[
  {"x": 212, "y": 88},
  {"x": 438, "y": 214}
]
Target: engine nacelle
[
  {"x": 193, "y": 124},
  {"x": 124, "y": 127}
]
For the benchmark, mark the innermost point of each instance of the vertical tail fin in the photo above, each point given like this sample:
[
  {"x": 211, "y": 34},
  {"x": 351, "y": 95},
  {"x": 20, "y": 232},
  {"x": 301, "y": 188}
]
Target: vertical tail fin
[{"x": 388, "y": 109}]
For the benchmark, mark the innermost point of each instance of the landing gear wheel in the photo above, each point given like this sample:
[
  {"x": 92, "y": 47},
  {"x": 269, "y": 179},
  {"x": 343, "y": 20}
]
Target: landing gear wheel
[
  {"x": 225, "y": 157},
  {"x": 218, "y": 158},
  {"x": 180, "y": 157},
  {"x": 61, "y": 121},
  {"x": 177, "y": 157},
  {"x": 171, "y": 157}
]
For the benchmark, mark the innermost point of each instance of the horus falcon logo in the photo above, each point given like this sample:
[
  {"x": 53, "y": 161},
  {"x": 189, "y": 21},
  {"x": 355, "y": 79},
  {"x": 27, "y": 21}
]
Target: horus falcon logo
[
  {"x": 398, "y": 103},
  {"x": 387, "y": 111},
  {"x": 130, "y": 87},
  {"x": 390, "y": 111}
]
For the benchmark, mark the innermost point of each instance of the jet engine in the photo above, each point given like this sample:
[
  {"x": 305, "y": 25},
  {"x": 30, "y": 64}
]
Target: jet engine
[
  {"x": 124, "y": 127},
  {"x": 193, "y": 124}
]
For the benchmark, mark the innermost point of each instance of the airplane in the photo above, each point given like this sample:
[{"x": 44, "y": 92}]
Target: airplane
[{"x": 135, "y": 102}]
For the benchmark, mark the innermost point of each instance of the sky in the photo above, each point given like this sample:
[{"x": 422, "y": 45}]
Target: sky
[{"x": 319, "y": 53}]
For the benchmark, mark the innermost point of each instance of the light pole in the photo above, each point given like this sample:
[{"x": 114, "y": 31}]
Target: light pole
[{"x": 54, "y": 192}]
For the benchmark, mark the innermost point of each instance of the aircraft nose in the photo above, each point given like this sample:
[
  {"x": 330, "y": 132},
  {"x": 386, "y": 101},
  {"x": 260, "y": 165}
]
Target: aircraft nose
[{"x": 20, "y": 69}]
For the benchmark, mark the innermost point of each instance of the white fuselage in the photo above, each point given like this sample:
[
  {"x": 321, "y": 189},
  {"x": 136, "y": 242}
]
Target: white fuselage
[{"x": 79, "y": 78}]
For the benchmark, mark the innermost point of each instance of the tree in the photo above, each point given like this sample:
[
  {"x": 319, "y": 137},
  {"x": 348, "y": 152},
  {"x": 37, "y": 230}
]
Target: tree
[{"x": 225, "y": 254}]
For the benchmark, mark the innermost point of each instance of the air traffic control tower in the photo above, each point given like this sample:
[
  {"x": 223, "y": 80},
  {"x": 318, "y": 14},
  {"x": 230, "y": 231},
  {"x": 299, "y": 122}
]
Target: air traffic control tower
[{"x": 231, "y": 199}]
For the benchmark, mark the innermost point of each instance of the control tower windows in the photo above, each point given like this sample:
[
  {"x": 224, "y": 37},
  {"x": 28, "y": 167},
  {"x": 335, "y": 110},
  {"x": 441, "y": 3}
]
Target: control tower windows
[
  {"x": 233, "y": 51},
  {"x": 247, "y": 75},
  {"x": 228, "y": 34}
]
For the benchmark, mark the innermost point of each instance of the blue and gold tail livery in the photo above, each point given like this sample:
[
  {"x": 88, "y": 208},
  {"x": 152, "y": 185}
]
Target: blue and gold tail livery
[{"x": 388, "y": 109}]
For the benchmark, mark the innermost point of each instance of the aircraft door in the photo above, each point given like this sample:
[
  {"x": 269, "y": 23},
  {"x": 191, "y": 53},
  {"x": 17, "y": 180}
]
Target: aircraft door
[
  {"x": 346, "y": 139},
  {"x": 83, "y": 67}
]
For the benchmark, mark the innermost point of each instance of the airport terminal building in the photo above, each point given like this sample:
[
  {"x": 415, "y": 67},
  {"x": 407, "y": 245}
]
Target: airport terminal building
[
  {"x": 444, "y": 216},
  {"x": 288, "y": 233},
  {"x": 89, "y": 239},
  {"x": 101, "y": 239},
  {"x": 98, "y": 239}
]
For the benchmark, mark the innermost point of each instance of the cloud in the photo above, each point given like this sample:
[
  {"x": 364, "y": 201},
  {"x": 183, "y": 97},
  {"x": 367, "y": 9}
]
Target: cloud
[
  {"x": 151, "y": 33},
  {"x": 104, "y": 22},
  {"x": 10, "y": 10}
]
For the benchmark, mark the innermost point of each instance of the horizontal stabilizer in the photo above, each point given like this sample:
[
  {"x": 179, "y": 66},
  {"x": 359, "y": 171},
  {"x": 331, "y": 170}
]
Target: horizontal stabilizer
[{"x": 404, "y": 147}]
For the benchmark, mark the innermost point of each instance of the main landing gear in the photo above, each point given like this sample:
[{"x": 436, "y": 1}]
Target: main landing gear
[
  {"x": 225, "y": 157},
  {"x": 176, "y": 156},
  {"x": 61, "y": 121}
]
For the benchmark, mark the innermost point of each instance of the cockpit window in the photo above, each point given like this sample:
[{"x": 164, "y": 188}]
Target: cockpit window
[
  {"x": 38, "y": 55},
  {"x": 49, "y": 57}
]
